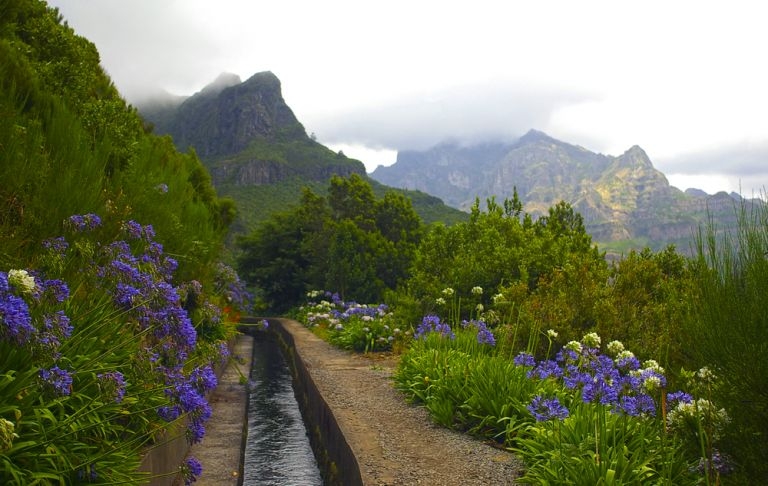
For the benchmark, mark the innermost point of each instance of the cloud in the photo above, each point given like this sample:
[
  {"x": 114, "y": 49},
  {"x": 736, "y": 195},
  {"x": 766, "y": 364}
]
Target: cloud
[
  {"x": 745, "y": 165},
  {"x": 147, "y": 45},
  {"x": 466, "y": 113},
  {"x": 743, "y": 160}
]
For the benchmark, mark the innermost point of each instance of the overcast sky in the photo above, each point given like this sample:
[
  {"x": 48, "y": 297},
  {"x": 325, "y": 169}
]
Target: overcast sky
[{"x": 684, "y": 80}]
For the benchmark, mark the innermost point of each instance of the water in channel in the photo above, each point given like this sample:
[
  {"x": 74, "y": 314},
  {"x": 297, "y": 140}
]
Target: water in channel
[{"x": 277, "y": 449}]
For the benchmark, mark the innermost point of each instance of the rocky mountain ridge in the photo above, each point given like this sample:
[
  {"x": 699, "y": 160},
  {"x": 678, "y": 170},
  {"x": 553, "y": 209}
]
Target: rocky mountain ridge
[
  {"x": 624, "y": 200},
  {"x": 256, "y": 150}
]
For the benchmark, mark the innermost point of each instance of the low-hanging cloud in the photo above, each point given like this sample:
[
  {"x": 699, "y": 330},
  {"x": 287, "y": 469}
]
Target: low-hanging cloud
[
  {"x": 746, "y": 162},
  {"x": 466, "y": 114},
  {"x": 742, "y": 160},
  {"x": 147, "y": 45}
]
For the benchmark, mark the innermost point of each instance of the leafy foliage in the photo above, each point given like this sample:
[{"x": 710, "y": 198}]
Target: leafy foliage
[
  {"x": 582, "y": 434},
  {"x": 107, "y": 339},
  {"x": 350, "y": 241},
  {"x": 730, "y": 324},
  {"x": 72, "y": 146},
  {"x": 498, "y": 247}
]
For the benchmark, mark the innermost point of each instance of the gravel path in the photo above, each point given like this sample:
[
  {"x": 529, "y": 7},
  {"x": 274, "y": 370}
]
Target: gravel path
[{"x": 395, "y": 443}]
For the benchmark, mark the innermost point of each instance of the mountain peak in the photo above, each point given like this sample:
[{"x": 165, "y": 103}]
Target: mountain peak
[
  {"x": 636, "y": 156},
  {"x": 636, "y": 150},
  {"x": 264, "y": 77},
  {"x": 227, "y": 115},
  {"x": 223, "y": 81},
  {"x": 535, "y": 136}
]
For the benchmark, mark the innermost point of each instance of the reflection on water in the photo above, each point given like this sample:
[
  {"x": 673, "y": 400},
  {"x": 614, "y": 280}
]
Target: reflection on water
[{"x": 277, "y": 450}]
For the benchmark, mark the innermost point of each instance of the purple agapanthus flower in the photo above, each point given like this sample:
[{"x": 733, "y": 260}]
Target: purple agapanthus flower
[
  {"x": 484, "y": 335},
  {"x": 428, "y": 324},
  {"x": 132, "y": 229},
  {"x": 56, "y": 290},
  {"x": 15, "y": 320},
  {"x": 113, "y": 383},
  {"x": 674, "y": 398},
  {"x": 192, "y": 470},
  {"x": 635, "y": 405},
  {"x": 544, "y": 409},
  {"x": 600, "y": 391},
  {"x": 546, "y": 369},
  {"x": 60, "y": 381},
  {"x": 524, "y": 359},
  {"x": 204, "y": 378},
  {"x": 84, "y": 222},
  {"x": 57, "y": 245},
  {"x": 169, "y": 413}
]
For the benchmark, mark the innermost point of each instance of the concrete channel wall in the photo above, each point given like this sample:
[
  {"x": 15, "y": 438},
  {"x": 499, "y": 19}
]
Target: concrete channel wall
[
  {"x": 221, "y": 451},
  {"x": 335, "y": 458}
]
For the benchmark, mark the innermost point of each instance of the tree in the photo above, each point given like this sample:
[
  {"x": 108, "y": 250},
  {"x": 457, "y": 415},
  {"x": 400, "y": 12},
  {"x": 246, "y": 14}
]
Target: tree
[
  {"x": 349, "y": 243},
  {"x": 284, "y": 255},
  {"x": 352, "y": 198},
  {"x": 497, "y": 248}
]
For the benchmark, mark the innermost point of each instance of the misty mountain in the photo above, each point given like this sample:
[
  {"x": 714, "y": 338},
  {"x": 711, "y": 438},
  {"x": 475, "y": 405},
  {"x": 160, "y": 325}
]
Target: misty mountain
[
  {"x": 256, "y": 150},
  {"x": 626, "y": 203}
]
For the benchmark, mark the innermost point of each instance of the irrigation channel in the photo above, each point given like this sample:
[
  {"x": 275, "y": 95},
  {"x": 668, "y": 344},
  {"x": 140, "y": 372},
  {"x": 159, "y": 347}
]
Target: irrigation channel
[{"x": 277, "y": 449}]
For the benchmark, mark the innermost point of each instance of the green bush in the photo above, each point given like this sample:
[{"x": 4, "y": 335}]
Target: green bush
[{"x": 730, "y": 325}]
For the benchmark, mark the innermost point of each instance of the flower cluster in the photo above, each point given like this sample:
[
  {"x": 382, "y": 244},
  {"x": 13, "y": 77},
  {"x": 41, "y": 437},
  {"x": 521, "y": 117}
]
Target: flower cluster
[
  {"x": 432, "y": 323},
  {"x": 113, "y": 385},
  {"x": 111, "y": 362},
  {"x": 484, "y": 335},
  {"x": 361, "y": 327},
  {"x": 143, "y": 289},
  {"x": 56, "y": 380},
  {"x": 719, "y": 462},
  {"x": 686, "y": 413},
  {"x": 620, "y": 382},
  {"x": 229, "y": 284},
  {"x": 26, "y": 317},
  {"x": 544, "y": 409},
  {"x": 83, "y": 222},
  {"x": 22, "y": 280},
  {"x": 139, "y": 277},
  {"x": 191, "y": 470}
]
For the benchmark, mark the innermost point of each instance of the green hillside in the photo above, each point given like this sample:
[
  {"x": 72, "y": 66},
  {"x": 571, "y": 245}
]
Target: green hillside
[
  {"x": 258, "y": 153},
  {"x": 111, "y": 283}
]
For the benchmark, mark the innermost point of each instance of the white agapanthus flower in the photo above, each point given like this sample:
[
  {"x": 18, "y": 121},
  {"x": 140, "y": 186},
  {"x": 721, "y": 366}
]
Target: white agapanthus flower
[
  {"x": 615, "y": 347},
  {"x": 653, "y": 365},
  {"x": 551, "y": 334},
  {"x": 574, "y": 346},
  {"x": 592, "y": 340},
  {"x": 22, "y": 280}
]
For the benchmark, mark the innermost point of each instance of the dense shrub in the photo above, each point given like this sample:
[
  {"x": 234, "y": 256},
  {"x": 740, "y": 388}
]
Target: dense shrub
[{"x": 729, "y": 326}]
